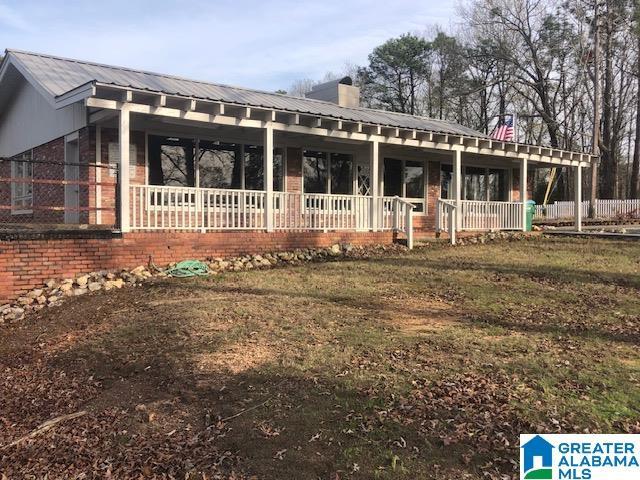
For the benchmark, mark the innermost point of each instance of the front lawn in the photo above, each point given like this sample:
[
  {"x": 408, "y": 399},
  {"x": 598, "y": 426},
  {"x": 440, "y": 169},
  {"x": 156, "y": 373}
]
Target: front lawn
[{"x": 411, "y": 365}]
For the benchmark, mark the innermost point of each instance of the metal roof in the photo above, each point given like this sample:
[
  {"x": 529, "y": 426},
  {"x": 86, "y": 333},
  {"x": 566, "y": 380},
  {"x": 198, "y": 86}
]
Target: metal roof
[{"x": 58, "y": 76}]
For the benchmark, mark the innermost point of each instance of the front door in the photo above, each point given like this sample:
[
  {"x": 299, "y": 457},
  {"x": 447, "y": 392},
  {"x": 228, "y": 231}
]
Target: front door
[{"x": 71, "y": 189}]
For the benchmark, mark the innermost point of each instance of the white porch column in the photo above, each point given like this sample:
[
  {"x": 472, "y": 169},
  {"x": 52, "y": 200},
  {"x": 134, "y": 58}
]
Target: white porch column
[
  {"x": 578, "y": 200},
  {"x": 457, "y": 186},
  {"x": 374, "y": 157},
  {"x": 268, "y": 175},
  {"x": 523, "y": 192},
  {"x": 123, "y": 171}
]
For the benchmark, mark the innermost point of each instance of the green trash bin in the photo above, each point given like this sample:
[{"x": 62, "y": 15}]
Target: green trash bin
[{"x": 531, "y": 211}]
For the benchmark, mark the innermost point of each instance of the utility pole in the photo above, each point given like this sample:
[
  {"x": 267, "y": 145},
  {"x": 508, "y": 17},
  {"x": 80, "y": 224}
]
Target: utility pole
[{"x": 595, "y": 147}]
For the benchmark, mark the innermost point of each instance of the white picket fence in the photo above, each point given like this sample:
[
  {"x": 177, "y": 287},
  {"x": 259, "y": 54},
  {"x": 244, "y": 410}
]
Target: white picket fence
[{"x": 605, "y": 209}]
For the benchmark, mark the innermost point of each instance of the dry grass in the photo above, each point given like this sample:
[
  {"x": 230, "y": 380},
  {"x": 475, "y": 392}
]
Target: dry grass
[{"x": 420, "y": 365}]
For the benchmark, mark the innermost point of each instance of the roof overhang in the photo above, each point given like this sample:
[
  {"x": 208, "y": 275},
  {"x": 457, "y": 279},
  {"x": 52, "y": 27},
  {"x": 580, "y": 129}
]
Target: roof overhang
[{"x": 105, "y": 100}]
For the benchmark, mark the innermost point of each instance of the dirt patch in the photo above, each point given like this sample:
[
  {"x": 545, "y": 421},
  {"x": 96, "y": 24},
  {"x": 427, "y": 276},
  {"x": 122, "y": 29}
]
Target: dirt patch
[
  {"x": 421, "y": 316},
  {"x": 236, "y": 359}
]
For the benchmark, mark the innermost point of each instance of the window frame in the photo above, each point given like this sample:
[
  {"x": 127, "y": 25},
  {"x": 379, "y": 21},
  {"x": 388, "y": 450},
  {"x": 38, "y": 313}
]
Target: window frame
[
  {"x": 508, "y": 181},
  {"x": 223, "y": 139},
  {"x": 328, "y": 186},
  {"x": 26, "y": 158},
  {"x": 403, "y": 169}
]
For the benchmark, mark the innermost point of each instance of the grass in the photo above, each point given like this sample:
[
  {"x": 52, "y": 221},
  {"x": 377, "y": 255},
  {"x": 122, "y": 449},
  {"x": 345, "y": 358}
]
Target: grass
[{"x": 411, "y": 365}]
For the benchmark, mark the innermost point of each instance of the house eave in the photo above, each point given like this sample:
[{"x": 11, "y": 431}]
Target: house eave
[{"x": 112, "y": 97}]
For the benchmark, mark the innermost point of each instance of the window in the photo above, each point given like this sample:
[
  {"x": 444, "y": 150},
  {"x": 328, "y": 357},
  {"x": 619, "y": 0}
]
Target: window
[
  {"x": 414, "y": 179},
  {"x": 220, "y": 165},
  {"x": 254, "y": 167},
  {"x": 392, "y": 177},
  {"x": 114, "y": 158},
  {"x": 498, "y": 185},
  {"x": 325, "y": 172},
  {"x": 341, "y": 174},
  {"x": 171, "y": 162},
  {"x": 479, "y": 183},
  {"x": 446, "y": 181},
  {"x": 475, "y": 183},
  {"x": 405, "y": 178},
  {"x": 180, "y": 161},
  {"x": 314, "y": 169},
  {"x": 22, "y": 188}
]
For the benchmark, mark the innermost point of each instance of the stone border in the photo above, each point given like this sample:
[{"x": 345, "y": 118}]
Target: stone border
[{"x": 54, "y": 292}]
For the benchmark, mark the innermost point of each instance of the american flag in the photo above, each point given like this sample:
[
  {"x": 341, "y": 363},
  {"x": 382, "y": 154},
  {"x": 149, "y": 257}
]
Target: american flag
[{"x": 504, "y": 130}]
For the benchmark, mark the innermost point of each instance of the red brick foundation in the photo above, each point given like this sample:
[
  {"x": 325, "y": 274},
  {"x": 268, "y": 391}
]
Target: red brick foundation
[{"x": 26, "y": 263}]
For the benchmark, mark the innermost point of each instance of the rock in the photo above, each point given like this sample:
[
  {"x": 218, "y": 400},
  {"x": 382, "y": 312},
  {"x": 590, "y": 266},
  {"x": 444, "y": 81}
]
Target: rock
[
  {"x": 82, "y": 280},
  {"x": 35, "y": 293},
  {"x": 51, "y": 283},
  {"x": 66, "y": 287},
  {"x": 118, "y": 283},
  {"x": 80, "y": 291},
  {"x": 335, "y": 250},
  {"x": 94, "y": 286},
  {"x": 25, "y": 300},
  {"x": 41, "y": 300},
  {"x": 138, "y": 270}
]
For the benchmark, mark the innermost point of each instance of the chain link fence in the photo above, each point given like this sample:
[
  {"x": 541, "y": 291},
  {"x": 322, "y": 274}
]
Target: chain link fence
[{"x": 46, "y": 194}]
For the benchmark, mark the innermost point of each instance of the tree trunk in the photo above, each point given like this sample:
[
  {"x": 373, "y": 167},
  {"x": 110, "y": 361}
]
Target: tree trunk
[
  {"x": 609, "y": 168},
  {"x": 635, "y": 167}
]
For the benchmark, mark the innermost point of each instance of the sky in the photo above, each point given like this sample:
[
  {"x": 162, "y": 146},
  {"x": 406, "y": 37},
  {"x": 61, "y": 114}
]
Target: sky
[{"x": 264, "y": 44}]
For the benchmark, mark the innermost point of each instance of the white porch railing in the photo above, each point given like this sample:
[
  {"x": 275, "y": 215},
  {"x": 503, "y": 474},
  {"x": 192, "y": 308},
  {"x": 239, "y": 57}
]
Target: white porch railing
[
  {"x": 477, "y": 215},
  {"x": 605, "y": 209},
  {"x": 207, "y": 209},
  {"x": 315, "y": 211},
  {"x": 195, "y": 209}
]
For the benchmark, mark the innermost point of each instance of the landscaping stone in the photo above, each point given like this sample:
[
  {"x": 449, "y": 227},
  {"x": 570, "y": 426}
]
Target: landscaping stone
[{"x": 53, "y": 292}]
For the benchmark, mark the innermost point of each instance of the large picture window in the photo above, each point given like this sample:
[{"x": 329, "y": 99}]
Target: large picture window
[
  {"x": 220, "y": 165},
  {"x": 22, "y": 188},
  {"x": 325, "y": 172},
  {"x": 210, "y": 164},
  {"x": 171, "y": 162},
  {"x": 483, "y": 184}
]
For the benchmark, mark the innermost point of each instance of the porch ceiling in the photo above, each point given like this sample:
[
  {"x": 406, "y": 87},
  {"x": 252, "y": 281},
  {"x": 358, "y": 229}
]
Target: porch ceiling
[{"x": 185, "y": 112}]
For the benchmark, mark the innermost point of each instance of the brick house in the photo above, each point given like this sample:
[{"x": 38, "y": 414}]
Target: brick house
[{"x": 158, "y": 160}]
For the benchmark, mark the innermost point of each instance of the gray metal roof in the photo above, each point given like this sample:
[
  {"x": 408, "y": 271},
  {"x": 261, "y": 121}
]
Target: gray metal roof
[{"x": 59, "y": 76}]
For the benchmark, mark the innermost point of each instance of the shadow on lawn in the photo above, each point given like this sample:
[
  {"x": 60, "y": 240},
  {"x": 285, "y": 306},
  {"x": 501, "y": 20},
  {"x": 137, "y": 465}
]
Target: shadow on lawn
[
  {"x": 381, "y": 310},
  {"x": 554, "y": 274},
  {"x": 272, "y": 424}
]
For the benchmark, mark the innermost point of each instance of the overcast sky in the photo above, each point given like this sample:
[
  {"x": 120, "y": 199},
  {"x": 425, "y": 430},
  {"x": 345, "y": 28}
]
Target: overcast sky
[{"x": 264, "y": 44}]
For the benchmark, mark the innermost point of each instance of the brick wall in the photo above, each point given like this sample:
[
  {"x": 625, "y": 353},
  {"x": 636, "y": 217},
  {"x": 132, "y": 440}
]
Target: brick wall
[
  {"x": 27, "y": 262},
  {"x": 515, "y": 185},
  {"x": 433, "y": 193},
  {"x": 294, "y": 170}
]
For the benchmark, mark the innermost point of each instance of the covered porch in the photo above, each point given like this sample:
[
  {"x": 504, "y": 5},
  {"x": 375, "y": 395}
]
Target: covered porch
[{"x": 185, "y": 164}]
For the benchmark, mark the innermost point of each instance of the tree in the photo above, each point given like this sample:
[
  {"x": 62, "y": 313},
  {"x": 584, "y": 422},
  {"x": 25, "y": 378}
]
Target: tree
[{"x": 397, "y": 70}]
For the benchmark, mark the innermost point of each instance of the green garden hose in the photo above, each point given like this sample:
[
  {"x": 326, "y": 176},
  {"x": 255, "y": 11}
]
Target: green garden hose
[{"x": 188, "y": 268}]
